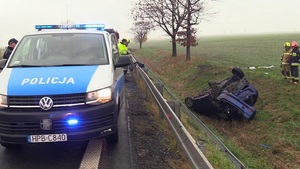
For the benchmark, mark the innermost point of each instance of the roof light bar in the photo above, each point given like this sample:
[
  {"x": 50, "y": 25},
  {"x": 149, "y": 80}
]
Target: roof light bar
[
  {"x": 46, "y": 27},
  {"x": 75, "y": 26}
]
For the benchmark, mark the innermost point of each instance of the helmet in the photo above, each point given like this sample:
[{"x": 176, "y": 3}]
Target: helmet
[
  {"x": 294, "y": 44},
  {"x": 128, "y": 41},
  {"x": 287, "y": 44}
]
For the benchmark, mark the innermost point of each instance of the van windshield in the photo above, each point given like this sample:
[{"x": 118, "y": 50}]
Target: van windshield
[{"x": 60, "y": 49}]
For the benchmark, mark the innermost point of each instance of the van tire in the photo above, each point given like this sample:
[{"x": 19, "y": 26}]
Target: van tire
[{"x": 113, "y": 139}]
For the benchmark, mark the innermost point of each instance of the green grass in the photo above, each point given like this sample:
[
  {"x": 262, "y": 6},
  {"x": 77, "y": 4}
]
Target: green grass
[{"x": 277, "y": 121}]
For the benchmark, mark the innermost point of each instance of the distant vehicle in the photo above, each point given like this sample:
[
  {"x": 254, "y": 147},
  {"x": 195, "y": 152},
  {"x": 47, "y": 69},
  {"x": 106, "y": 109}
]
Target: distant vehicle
[
  {"x": 62, "y": 83},
  {"x": 232, "y": 98}
]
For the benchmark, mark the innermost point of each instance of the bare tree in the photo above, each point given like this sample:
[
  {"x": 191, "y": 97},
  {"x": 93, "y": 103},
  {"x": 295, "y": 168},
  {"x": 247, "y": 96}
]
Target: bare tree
[
  {"x": 166, "y": 14},
  {"x": 140, "y": 30},
  {"x": 173, "y": 15},
  {"x": 141, "y": 27},
  {"x": 196, "y": 11}
]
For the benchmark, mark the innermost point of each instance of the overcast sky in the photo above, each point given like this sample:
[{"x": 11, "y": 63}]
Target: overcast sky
[{"x": 18, "y": 17}]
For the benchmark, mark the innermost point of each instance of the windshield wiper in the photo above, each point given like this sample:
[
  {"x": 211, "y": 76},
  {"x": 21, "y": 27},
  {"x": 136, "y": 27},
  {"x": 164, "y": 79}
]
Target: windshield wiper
[
  {"x": 73, "y": 64},
  {"x": 27, "y": 66},
  {"x": 66, "y": 64}
]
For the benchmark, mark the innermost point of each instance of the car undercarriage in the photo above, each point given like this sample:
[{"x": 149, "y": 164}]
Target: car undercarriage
[{"x": 231, "y": 98}]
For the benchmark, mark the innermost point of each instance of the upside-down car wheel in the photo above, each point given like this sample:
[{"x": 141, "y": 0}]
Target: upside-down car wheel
[
  {"x": 189, "y": 102},
  {"x": 238, "y": 72}
]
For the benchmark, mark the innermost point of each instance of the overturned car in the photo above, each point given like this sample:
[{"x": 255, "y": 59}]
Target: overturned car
[{"x": 232, "y": 98}]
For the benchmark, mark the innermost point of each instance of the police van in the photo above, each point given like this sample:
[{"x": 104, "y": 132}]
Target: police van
[{"x": 62, "y": 83}]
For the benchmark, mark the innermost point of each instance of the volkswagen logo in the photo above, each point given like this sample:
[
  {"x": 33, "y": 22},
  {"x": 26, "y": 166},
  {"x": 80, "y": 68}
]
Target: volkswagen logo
[{"x": 46, "y": 103}]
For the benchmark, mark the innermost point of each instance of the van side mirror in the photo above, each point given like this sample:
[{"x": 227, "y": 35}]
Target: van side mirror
[{"x": 124, "y": 60}]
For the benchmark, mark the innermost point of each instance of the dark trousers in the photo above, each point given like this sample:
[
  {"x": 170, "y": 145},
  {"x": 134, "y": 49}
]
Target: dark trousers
[{"x": 295, "y": 74}]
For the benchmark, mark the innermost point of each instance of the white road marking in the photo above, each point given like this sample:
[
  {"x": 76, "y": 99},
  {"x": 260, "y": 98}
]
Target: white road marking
[{"x": 92, "y": 155}]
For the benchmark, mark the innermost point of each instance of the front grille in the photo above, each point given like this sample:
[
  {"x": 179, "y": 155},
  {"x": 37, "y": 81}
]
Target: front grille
[
  {"x": 59, "y": 126},
  {"x": 33, "y": 101},
  {"x": 20, "y": 128},
  {"x": 85, "y": 125}
]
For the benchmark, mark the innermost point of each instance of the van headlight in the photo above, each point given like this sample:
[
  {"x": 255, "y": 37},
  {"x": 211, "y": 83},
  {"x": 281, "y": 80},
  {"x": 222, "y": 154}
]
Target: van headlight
[
  {"x": 3, "y": 101},
  {"x": 99, "y": 96}
]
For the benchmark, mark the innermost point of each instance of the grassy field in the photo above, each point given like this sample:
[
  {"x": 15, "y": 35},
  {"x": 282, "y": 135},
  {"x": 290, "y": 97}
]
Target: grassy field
[{"x": 277, "y": 122}]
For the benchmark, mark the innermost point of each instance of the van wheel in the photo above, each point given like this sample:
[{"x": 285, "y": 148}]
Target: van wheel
[{"x": 113, "y": 139}]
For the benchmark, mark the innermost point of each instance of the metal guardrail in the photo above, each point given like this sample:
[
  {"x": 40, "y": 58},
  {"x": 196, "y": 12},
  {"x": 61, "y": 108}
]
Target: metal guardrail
[
  {"x": 216, "y": 140},
  {"x": 195, "y": 156},
  {"x": 192, "y": 152}
]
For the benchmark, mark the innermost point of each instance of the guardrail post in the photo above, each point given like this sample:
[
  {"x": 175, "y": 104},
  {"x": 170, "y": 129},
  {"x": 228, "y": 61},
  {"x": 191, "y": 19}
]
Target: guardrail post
[
  {"x": 175, "y": 106},
  {"x": 160, "y": 88},
  {"x": 146, "y": 70},
  {"x": 139, "y": 75},
  {"x": 136, "y": 73},
  {"x": 133, "y": 70}
]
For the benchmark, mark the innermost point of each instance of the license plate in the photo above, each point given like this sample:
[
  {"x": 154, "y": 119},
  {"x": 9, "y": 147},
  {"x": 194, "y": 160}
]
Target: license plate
[{"x": 47, "y": 138}]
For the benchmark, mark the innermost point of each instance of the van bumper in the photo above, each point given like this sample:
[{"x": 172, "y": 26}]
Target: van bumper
[{"x": 94, "y": 121}]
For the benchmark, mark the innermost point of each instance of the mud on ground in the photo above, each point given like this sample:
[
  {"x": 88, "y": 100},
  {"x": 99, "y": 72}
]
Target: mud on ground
[{"x": 149, "y": 140}]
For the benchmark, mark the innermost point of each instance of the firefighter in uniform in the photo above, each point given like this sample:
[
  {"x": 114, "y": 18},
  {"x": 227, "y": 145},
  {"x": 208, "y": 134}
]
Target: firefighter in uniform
[
  {"x": 285, "y": 61},
  {"x": 295, "y": 56}
]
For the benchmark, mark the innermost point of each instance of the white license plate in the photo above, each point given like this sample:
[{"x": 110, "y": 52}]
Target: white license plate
[{"x": 47, "y": 138}]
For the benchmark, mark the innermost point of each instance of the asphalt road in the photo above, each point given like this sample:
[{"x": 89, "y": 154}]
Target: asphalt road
[{"x": 76, "y": 155}]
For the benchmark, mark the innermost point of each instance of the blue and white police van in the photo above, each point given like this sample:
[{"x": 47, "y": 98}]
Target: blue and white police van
[{"x": 62, "y": 83}]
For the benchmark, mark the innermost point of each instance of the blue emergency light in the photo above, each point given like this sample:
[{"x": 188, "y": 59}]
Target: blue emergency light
[
  {"x": 46, "y": 27},
  {"x": 72, "y": 122},
  {"x": 73, "y": 26}
]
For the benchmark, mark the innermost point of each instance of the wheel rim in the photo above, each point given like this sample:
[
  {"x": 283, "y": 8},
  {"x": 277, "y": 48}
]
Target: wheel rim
[{"x": 189, "y": 102}]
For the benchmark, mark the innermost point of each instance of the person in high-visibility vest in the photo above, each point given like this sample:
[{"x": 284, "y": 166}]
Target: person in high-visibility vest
[
  {"x": 123, "y": 47},
  {"x": 295, "y": 56},
  {"x": 285, "y": 61}
]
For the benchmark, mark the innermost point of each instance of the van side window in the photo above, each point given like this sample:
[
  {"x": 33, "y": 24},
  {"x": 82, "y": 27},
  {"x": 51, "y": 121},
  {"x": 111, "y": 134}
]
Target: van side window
[
  {"x": 114, "y": 48},
  {"x": 25, "y": 51}
]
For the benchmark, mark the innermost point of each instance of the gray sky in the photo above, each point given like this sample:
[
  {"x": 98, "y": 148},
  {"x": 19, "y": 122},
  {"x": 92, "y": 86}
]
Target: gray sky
[
  {"x": 19, "y": 17},
  {"x": 254, "y": 16}
]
